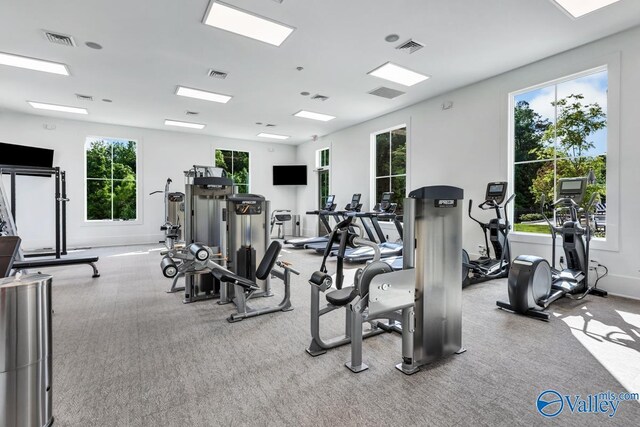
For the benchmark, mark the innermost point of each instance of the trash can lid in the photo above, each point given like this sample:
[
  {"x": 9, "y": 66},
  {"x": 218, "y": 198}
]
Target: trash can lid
[
  {"x": 435, "y": 192},
  {"x": 23, "y": 280}
]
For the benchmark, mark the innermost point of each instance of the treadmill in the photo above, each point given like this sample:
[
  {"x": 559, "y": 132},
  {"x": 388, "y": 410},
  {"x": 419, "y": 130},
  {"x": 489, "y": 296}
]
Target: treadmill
[
  {"x": 353, "y": 207},
  {"x": 382, "y": 210},
  {"x": 323, "y": 215}
]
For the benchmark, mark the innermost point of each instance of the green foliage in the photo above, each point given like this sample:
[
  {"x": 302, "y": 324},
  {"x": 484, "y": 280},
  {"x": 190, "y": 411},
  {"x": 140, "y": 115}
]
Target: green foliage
[
  {"x": 111, "y": 180},
  {"x": 531, "y": 217},
  {"x": 532, "y": 228},
  {"x": 236, "y": 165}
]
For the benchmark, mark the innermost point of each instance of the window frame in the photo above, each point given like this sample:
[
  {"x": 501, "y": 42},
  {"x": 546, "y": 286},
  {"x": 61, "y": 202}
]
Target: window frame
[
  {"x": 572, "y": 71},
  {"x": 373, "y": 156},
  {"x": 235, "y": 150},
  {"x": 139, "y": 190}
]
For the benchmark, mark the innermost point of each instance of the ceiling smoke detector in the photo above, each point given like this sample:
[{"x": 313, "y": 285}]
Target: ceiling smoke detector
[
  {"x": 410, "y": 46},
  {"x": 217, "y": 74},
  {"x": 319, "y": 97},
  {"x": 386, "y": 92},
  {"x": 84, "y": 97},
  {"x": 60, "y": 39}
]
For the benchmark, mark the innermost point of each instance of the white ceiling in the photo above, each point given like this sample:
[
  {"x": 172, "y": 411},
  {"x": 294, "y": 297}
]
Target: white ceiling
[{"x": 152, "y": 46}]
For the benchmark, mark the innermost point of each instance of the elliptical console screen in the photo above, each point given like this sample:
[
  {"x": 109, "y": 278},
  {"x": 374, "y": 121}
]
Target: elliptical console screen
[
  {"x": 496, "y": 191},
  {"x": 573, "y": 188}
]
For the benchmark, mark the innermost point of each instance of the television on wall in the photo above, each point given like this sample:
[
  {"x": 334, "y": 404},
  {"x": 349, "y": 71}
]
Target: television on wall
[
  {"x": 22, "y": 155},
  {"x": 290, "y": 175}
]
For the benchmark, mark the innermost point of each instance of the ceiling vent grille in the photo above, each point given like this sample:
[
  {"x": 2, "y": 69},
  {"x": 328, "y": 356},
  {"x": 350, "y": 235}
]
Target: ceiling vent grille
[
  {"x": 410, "y": 46},
  {"x": 191, "y": 113},
  {"x": 60, "y": 39},
  {"x": 386, "y": 92},
  {"x": 319, "y": 97},
  {"x": 217, "y": 74},
  {"x": 270, "y": 125},
  {"x": 84, "y": 97}
]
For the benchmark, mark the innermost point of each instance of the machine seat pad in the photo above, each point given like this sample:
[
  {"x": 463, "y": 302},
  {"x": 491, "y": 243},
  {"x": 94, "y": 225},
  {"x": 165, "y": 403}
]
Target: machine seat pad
[
  {"x": 228, "y": 277},
  {"x": 341, "y": 297}
]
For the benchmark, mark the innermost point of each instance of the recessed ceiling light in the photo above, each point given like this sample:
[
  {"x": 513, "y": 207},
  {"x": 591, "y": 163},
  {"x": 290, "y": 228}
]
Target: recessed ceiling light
[
  {"x": 106, "y": 100},
  {"x": 33, "y": 64},
  {"x": 178, "y": 123},
  {"x": 392, "y": 38},
  {"x": 94, "y": 45},
  {"x": 305, "y": 93},
  {"x": 54, "y": 107},
  {"x": 578, "y": 8},
  {"x": 314, "y": 116},
  {"x": 238, "y": 21},
  {"x": 202, "y": 94},
  {"x": 398, "y": 74},
  {"x": 272, "y": 136}
]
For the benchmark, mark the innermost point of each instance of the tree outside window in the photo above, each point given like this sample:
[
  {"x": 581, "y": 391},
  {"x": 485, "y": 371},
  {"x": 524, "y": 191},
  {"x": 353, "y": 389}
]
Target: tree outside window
[
  {"x": 560, "y": 131},
  {"x": 111, "y": 187},
  {"x": 391, "y": 165},
  {"x": 236, "y": 164}
]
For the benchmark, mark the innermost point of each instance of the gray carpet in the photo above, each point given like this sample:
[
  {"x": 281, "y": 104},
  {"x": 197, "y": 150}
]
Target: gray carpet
[{"x": 126, "y": 353}]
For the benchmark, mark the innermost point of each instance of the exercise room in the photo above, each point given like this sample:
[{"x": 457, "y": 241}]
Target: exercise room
[{"x": 327, "y": 213}]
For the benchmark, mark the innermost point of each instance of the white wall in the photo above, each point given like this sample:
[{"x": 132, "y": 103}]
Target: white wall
[
  {"x": 162, "y": 155},
  {"x": 467, "y": 146}
]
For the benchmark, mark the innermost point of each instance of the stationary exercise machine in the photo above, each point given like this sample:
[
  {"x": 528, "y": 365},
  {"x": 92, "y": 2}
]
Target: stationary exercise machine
[
  {"x": 533, "y": 284},
  {"x": 497, "y": 231},
  {"x": 205, "y": 200},
  {"x": 426, "y": 297},
  {"x": 173, "y": 215},
  {"x": 8, "y": 227},
  {"x": 322, "y": 214},
  {"x": 280, "y": 217}
]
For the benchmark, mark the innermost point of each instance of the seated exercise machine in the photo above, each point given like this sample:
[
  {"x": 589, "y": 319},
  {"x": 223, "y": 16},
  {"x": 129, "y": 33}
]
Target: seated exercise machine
[
  {"x": 173, "y": 215},
  {"x": 426, "y": 298},
  {"x": 533, "y": 284},
  {"x": 8, "y": 227},
  {"x": 279, "y": 217},
  {"x": 322, "y": 214},
  {"x": 496, "y": 230},
  {"x": 198, "y": 258}
]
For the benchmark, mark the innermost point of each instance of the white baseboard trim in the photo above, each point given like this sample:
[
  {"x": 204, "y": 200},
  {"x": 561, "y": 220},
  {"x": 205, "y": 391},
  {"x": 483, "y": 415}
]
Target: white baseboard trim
[{"x": 622, "y": 286}]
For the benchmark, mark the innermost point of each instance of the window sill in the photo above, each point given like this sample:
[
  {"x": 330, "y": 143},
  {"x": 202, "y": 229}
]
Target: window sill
[
  {"x": 545, "y": 239},
  {"x": 108, "y": 223}
]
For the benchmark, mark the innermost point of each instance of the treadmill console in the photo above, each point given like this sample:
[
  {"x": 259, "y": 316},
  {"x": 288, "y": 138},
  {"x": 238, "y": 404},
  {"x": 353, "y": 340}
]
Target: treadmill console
[
  {"x": 572, "y": 188},
  {"x": 385, "y": 203},
  {"x": 328, "y": 206},
  {"x": 355, "y": 202},
  {"x": 496, "y": 192}
]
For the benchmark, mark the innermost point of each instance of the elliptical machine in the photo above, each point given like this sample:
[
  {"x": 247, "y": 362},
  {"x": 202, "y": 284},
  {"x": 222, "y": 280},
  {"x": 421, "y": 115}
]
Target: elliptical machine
[
  {"x": 533, "y": 284},
  {"x": 497, "y": 230},
  {"x": 173, "y": 215}
]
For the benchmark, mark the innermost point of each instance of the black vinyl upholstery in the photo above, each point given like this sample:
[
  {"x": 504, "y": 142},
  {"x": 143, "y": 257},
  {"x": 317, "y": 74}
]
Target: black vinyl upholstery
[
  {"x": 371, "y": 271},
  {"x": 228, "y": 277},
  {"x": 8, "y": 251},
  {"x": 269, "y": 260},
  {"x": 342, "y": 296}
]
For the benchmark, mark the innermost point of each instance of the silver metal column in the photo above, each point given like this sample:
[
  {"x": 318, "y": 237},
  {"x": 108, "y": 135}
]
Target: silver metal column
[
  {"x": 25, "y": 358},
  {"x": 437, "y": 223}
]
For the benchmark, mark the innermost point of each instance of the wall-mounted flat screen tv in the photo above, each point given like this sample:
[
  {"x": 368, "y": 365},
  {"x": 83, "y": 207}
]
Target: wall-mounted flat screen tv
[
  {"x": 22, "y": 155},
  {"x": 290, "y": 175}
]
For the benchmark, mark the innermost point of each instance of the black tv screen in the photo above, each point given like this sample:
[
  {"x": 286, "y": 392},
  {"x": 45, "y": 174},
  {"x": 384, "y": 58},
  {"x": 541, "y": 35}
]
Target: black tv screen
[
  {"x": 22, "y": 155},
  {"x": 290, "y": 175}
]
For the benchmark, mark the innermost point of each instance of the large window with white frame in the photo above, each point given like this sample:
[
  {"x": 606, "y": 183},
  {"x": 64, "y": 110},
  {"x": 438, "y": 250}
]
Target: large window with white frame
[
  {"x": 323, "y": 166},
  {"x": 236, "y": 164},
  {"x": 111, "y": 179},
  {"x": 559, "y": 130},
  {"x": 390, "y": 168}
]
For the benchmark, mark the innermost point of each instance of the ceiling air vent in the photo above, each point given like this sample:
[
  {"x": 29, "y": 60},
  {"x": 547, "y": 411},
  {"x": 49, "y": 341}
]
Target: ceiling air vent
[
  {"x": 319, "y": 97},
  {"x": 191, "y": 113},
  {"x": 84, "y": 97},
  {"x": 386, "y": 92},
  {"x": 59, "y": 39},
  {"x": 270, "y": 125},
  {"x": 217, "y": 74},
  {"x": 410, "y": 46}
]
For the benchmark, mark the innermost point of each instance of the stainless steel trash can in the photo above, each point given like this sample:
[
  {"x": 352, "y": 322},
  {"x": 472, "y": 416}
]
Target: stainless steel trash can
[
  {"x": 295, "y": 224},
  {"x": 25, "y": 352}
]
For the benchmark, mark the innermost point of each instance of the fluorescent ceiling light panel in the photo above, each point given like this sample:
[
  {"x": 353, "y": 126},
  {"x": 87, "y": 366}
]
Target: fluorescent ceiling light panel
[
  {"x": 54, "y": 107},
  {"x": 202, "y": 94},
  {"x": 398, "y": 74},
  {"x": 314, "y": 116},
  {"x": 578, "y": 8},
  {"x": 246, "y": 24},
  {"x": 33, "y": 64},
  {"x": 272, "y": 136},
  {"x": 189, "y": 125}
]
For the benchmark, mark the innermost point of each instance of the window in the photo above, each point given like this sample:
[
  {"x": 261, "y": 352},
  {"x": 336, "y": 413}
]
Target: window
[
  {"x": 322, "y": 165},
  {"x": 111, "y": 170},
  {"x": 391, "y": 165},
  {"x": 559, "y": 131},
  {"x": 236, "y": 164}
]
